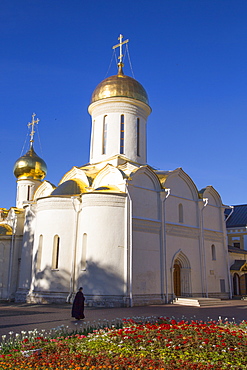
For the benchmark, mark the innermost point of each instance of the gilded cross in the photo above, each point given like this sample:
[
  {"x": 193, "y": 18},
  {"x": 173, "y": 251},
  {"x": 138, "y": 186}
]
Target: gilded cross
[
  {"x": 32, "y": 124},
  {"x": 121, "y": 43}
]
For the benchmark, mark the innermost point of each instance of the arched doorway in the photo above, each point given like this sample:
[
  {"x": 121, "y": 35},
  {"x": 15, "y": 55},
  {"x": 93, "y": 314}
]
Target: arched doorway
[
  {"x": 181, "y": 275},
  {"x": 243, "y": 284},
  {"x": 177, "y": 279}
]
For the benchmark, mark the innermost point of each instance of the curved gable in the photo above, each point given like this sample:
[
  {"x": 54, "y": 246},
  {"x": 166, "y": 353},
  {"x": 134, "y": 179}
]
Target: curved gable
[
  {"x": 44, "y": 190},
  {"x": 146, "y": 178},
  {"x": 213, "y": 196},
  {"x": 109, "y": 175},
  {"x": 75, "y": 173},
  {"x": 181, "y": 184}
]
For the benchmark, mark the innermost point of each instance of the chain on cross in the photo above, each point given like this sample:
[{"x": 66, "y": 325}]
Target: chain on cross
[{"x": 121, "y": 43}]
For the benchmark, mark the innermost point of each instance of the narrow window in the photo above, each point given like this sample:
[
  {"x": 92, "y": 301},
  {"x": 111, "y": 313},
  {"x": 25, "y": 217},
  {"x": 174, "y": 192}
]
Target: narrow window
[
  {"x": 138, "y": 136},
  {"x": 213, "y": 250},
  {"x": 180, "y": 213},
  {"x": 28, "y": 192},
  {"x": 84, "y": 252},
  {"x": 104, "y": 135},
  {"x": 122, "y": 134},
  {"x": 55, "y": 254},
  {"x": 92, "y": 138},
  {"x": 39, "y": 253}
]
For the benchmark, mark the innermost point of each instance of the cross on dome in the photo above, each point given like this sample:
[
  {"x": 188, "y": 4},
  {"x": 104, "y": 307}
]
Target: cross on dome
[
  {"x": 120, "y": 47},
  {"x": 32, "y": 124}
]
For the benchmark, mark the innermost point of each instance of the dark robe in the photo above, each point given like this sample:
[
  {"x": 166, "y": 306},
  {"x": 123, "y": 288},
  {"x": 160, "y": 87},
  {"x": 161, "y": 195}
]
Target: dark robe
[{"x": 78, "y": 306}]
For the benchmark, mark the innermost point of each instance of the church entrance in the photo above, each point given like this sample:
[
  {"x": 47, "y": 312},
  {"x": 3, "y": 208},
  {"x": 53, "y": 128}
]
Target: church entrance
[
  {"x": 243, "y": 284},
  {"x": 181, "y": 276},
  {"x": 177, "y": 279},
  {"x": 236, "y": 290}
]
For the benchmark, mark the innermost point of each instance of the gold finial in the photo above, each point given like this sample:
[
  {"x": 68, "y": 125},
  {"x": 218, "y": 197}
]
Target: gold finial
[
  {"x": 32, "y": 129},
  {"x": 120, "y": 48}
]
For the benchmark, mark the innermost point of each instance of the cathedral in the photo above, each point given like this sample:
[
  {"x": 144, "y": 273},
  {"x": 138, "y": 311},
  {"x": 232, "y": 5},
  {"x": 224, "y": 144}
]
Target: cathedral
[{"x": 126, "y": 232}]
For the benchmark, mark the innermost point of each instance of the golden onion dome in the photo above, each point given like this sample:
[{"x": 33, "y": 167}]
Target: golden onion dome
[
  {"x": 120, "y": 86},
  {"x": 30, "y": 166}
]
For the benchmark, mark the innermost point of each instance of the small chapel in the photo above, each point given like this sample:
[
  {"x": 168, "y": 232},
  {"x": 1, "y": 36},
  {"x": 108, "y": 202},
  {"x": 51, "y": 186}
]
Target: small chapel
[{"x": 126, "y": 232}]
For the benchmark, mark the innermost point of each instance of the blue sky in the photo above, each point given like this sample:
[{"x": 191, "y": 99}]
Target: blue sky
[{"x": 190, "y": 55}]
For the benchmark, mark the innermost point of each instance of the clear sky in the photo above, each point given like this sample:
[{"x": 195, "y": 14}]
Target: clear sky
[{"x": 190, "y": 56}]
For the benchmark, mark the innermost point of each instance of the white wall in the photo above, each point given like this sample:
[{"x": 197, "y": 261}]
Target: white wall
[{"x": 103, "y": 220}]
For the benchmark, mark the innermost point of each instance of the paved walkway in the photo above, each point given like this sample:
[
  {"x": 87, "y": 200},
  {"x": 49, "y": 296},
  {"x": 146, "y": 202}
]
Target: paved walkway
[{"x": 22, "y": 316}]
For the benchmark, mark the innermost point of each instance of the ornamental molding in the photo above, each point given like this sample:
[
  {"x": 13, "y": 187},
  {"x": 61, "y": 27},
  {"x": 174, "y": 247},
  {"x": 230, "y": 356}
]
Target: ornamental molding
[
  {"x": 146, "y": 225},
  {"x": 117, "y": 106},
  {"x": 103, "y": 199},
  {"x": 53, "y": 204},
  {"x": 194, "y": 233},
  {"x": 215, "y": 236},
  {"x": 182, "y": 231}
]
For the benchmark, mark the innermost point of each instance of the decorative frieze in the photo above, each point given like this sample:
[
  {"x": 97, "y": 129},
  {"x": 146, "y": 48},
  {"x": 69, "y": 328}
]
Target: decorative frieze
[
  {"x": 214, "y": 236},
  {"x": 118, "y": 104},
  {"x": 146, "y": 225},
  {"x": 194, "y": 232},
  {"x": 183, "y": 231},
  {"x": 54, "y": 203},
  {"x": 103, "y": 199}
]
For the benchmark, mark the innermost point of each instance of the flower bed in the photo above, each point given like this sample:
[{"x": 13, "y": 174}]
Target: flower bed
[{"x": 134, "y": 344}]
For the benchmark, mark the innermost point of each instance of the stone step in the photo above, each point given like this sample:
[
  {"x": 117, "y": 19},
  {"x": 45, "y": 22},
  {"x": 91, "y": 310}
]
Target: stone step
[{"x": 199, "y": 302}]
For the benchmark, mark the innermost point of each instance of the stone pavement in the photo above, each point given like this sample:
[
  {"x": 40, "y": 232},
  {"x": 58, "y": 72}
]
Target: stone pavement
[{"x": 17, "y": 317}]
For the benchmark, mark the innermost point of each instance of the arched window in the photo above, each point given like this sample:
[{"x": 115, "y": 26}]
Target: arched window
[
  {"x": 39, "y": 252},
  {"x": 84, "y": 252},
  {"x": 180, "y": 213},
  {"x": 55, "y": 254},
  {"x": 213, "y": 251},
  {"x": 138, "y": 136},
  {"x": 122, "y": 134},
  {"x": 104, "y": 135}
]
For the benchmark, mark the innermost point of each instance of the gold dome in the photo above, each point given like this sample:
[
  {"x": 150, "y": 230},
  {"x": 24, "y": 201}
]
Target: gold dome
[
  {"x": 120, "y": 86},
  {"x": 70, "y": 187},
  {"x": 5, "y": 230},
  {"x": 30, "y": 166},
  {"x": 108, "y": 188}
]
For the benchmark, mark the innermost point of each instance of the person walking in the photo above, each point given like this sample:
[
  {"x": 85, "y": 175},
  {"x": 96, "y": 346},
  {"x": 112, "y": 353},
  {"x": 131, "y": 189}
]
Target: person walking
[{"x": 78, "y": 305}]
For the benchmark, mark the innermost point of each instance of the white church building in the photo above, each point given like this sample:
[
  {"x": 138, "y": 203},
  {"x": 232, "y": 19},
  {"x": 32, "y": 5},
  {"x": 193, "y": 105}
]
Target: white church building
[{"x": 129, "y": 234}]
